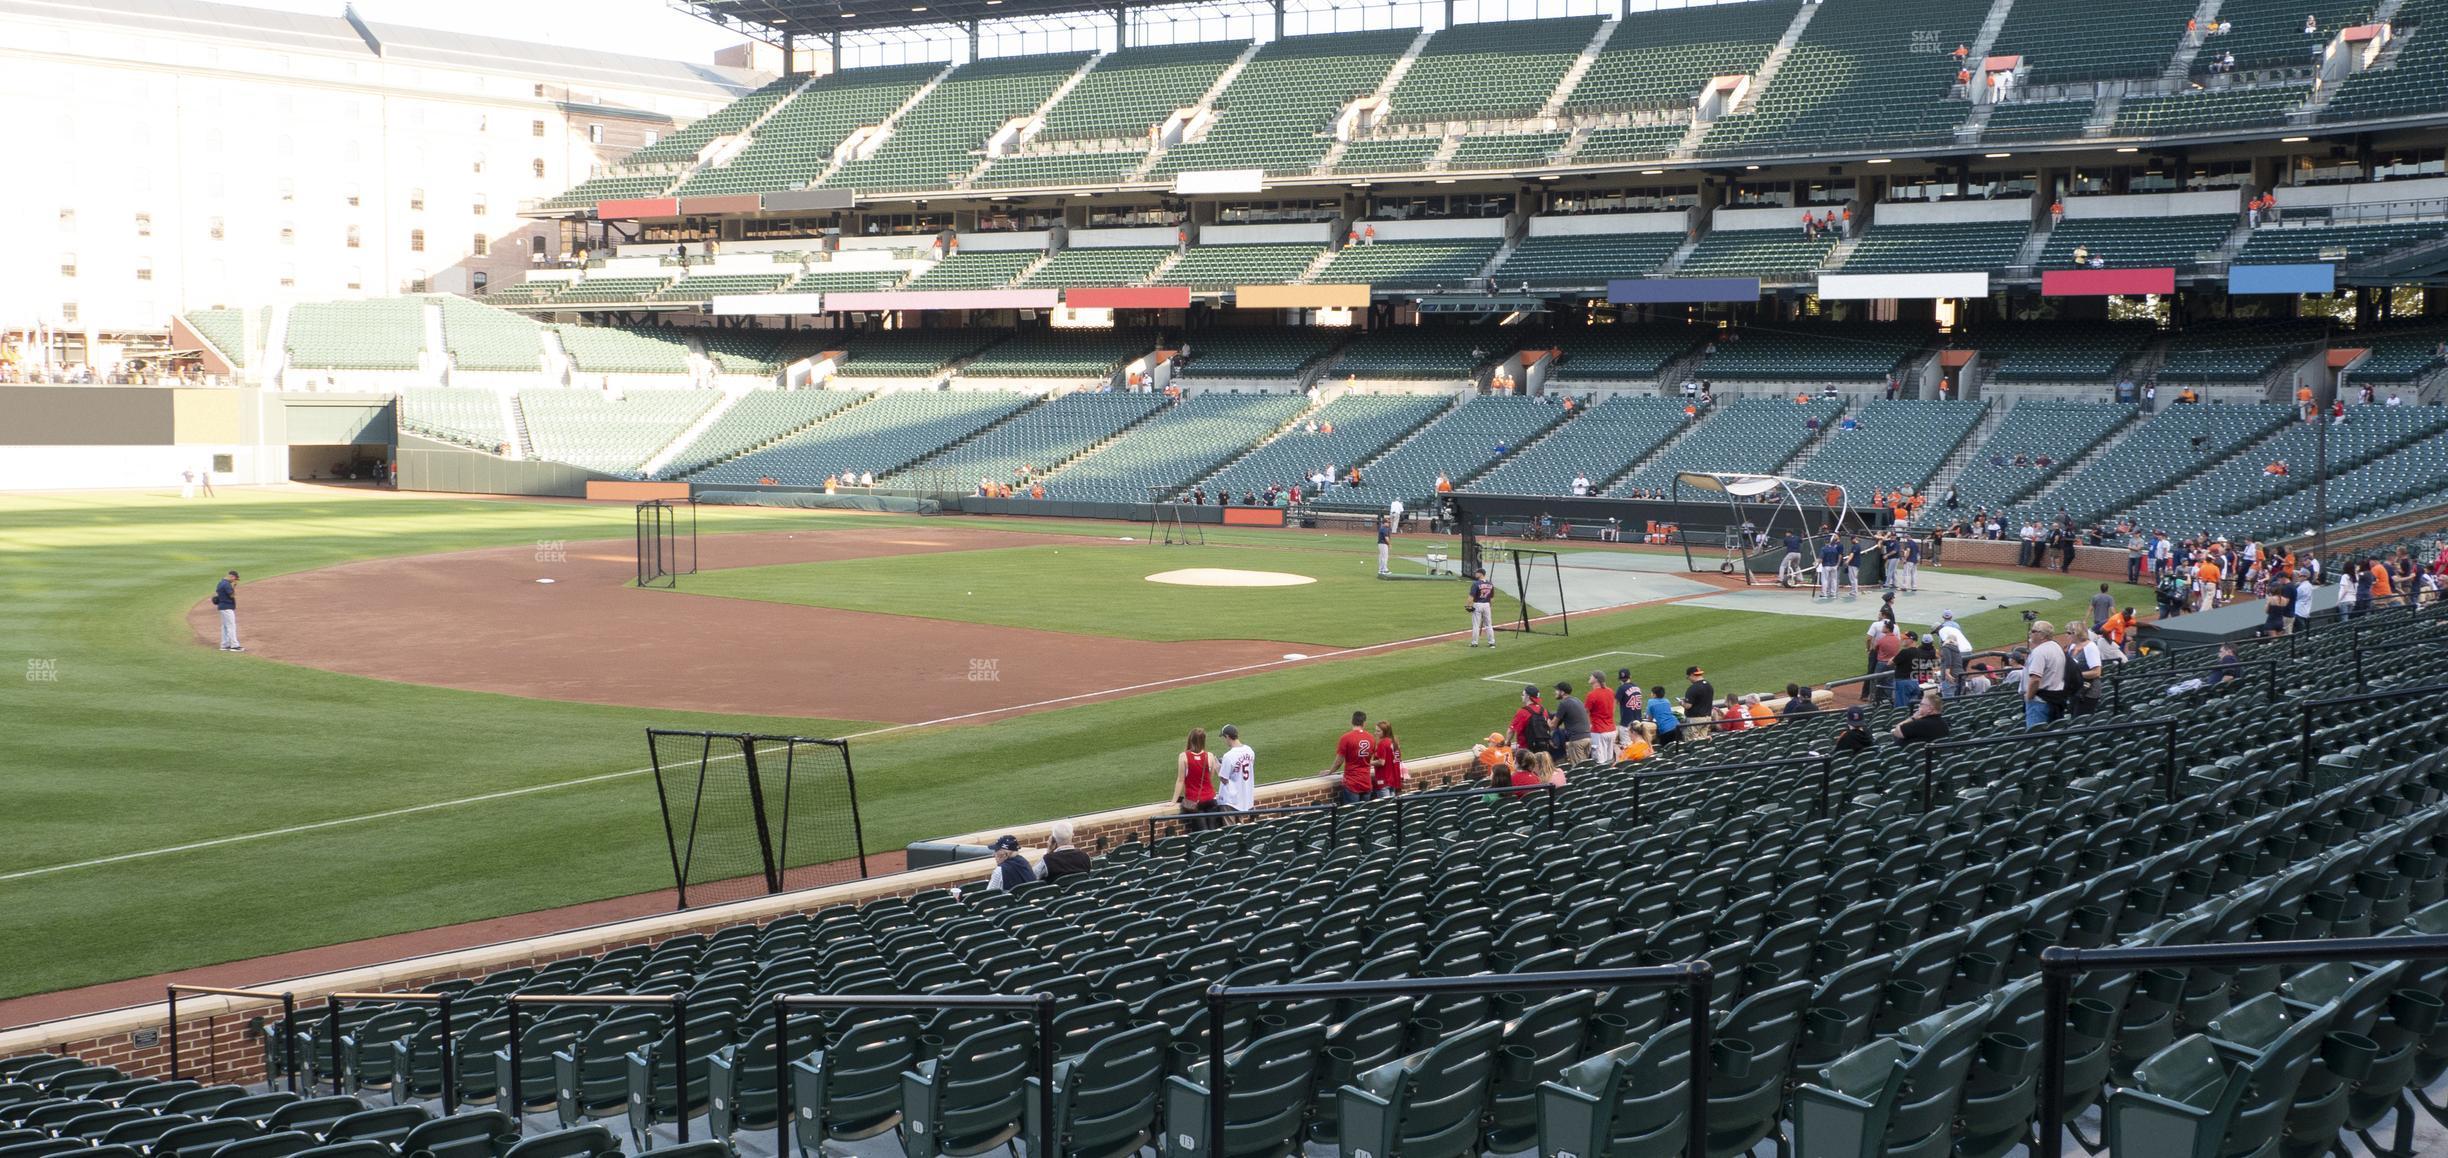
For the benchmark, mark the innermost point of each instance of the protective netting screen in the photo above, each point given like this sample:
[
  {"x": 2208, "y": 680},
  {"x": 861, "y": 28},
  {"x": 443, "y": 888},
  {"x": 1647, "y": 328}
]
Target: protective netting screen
[
  {"x": 746, "y": 815},
  {"x": 1538, "y": 579}
]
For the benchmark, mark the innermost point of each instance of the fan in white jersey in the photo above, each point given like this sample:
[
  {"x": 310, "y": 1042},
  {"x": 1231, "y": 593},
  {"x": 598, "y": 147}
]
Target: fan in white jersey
[{"x": 1237, "y": 773}]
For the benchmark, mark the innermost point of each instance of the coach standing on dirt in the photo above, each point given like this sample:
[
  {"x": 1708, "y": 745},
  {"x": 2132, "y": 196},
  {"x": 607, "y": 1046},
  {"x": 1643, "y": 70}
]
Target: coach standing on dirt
[{"x": 225, "y": 600}]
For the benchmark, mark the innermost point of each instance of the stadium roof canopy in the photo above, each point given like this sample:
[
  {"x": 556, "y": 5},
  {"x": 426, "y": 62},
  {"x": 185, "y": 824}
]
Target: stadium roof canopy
[{"x": 769, "y": 20}]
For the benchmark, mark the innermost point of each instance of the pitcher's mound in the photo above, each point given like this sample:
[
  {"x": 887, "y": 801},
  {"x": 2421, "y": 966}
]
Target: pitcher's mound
[{"x": 1227, "y": 577}]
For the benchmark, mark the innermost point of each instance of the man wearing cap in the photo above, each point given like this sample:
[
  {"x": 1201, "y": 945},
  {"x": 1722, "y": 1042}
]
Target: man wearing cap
[
  {"x": 1627, "y": 706},
  {"x": 1353, "y": 756},
  {"x": 1482, "y": 608},
  {"x": 1011, "y": 869},
  {"x": 2044, "y": 673},
  {"x": 1385, "y": 532},
  {"x": 1237, "y": 773},
  {"x": 1700, "y": 696},
  {"x": 1852, "y": 736},
  {"x": 1954, "y": 648},
  {"x": 225, "y": 600},
  {"x": 1831, "y": 557},
  {"x": 1572, "y": 725}
]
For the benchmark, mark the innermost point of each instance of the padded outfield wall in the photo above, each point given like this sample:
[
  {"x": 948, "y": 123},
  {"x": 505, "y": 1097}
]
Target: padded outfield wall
[{"x": 102, "y": 437}]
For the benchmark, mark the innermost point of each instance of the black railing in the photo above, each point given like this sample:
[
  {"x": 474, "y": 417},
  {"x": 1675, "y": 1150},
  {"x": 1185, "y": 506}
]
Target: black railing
[
  {"x": 2362, "y": 679},
  {"x": 1826, "y": 763},
  {"x": 442, "y": 1012},
  {"x": 2060, "y": 965},
  {"x": 1399, "y": 803},
  {"x": 1040, "y": 1007},
  {"x": 514, "y": 1092},
  {"x": 2306, "y": 710},
  {"x": 288, "y": 1000},
  {"x": 1693, "y": 977}
]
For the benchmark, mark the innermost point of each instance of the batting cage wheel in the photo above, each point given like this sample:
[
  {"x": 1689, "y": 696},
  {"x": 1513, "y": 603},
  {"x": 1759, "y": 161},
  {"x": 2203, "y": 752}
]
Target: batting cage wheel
[{"x": 742, "y": 810}]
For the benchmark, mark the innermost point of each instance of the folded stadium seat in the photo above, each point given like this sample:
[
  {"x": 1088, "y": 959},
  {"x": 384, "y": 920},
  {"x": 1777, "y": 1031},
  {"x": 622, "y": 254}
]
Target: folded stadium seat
[
  {"x": 386, "y": 1126},
  {"x": 202, "y": 1100},
  {"x": 1266, "y": 1104},
  {"x": 1105, "y": 1099},
  {"x": 539, "y": 1040},
  {"x": 203, "y": 1138},
  {"x": 1941, "y": 247},
  {"x": 256, "y": 1108},
  {"x": 656, "y": 1092},
  {"x": 1507, "y": 151},
  {"x": 94, "y": 1124},
  {"x": 1491, "y": 70},
  {"x": 359, "y": 1149},
  {"x": 1895, "y": 1096},
  {"x": 2197, "y": 1098},
  {"x": 1630, "y": 143},
  {"x": 1631, "y": 1101},
  {"x": 845, "y": 1092},
  {"x": 590, "y": 1073},
  {"x": 968, "y": 1099},
  {"x": 2214, "y": 108},
  {"x": 1428, "y": 1104},
  {"x": 315, "y": 1116},
  {"x": 280, "y": 1144},
  {"x": 576, "y": 1142},
  {"x": 1366, "y": 1038},
  {"x": 1538, "y": 1044},
  {"x": 1432, "y": 264}
]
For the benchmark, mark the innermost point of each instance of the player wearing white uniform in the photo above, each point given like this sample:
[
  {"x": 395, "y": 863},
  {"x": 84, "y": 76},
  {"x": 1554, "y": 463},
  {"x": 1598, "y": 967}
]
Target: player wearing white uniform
[{"x": 1237, "y": 787}]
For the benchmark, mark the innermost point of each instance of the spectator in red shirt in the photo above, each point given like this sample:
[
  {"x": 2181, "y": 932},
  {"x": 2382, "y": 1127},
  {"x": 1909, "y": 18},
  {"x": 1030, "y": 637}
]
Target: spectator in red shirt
[
  {"x": 1388, "y": 761},
  {"x": 1530, "y": 710},
  {"x": 1600, "y": 701},
  {"x": 1355, "y": 755},
  {"x": 1194, "y": 782}
]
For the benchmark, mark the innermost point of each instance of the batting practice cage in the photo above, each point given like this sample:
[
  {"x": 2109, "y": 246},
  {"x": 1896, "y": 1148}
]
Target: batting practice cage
[
  {"x": 666, "y": 542},
  {"x": 1742, "y": 521},
  {"x": 1537, "y": 575},
  {"x": 746, "y": 815},
  {"x": 1165, "y": 523}
]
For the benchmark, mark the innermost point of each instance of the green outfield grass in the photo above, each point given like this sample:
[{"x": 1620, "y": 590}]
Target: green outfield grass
[
  {"x": 141, "y": 739},
  {"x": 1104, "y": 590}
]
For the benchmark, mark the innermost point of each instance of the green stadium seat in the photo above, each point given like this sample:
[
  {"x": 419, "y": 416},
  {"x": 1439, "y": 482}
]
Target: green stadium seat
[
  {"x": 2037, "y": 121},
  {"x": 577, "y": 1142},
  {"x": 1098, "y": 267},
  {"x": 1895, "y": 1096},
  {"x": 2210, "y": 108},
  {"x": 1770, "y": 254},
  {"x": 725, "y": 121},
  {"x": 1387, "y": 155},
  {"x": 992, "y": 269},
  {"x": 2136, "y": 242},
  {"x": 971, "y": 1098},
  {"x": 1105, "y": 1099},
  {"x": 852, "y": 1089},
  {"x": 1266, "y": 1103},
  {"x": 1489, "y": 71},
  {"x": 1133, "y": 90},
  {"x": 1632, "y": 1101},
  {"x": 1276, "y": 112},
  {"x": 376, "y": 334},
  {"x": 2065, "y": 42},
  {"x": 1213, "y": 268},
  {"x": 1429, "y": 1104},
  {"x": 1659, "y": 59},
  {"x": 939, "y": 140},
  {"x": 1949, "y": 247},
  {"x": 225, "y": 329},
  {"x": 1862, "y": 75},
  {"x": 1411, "y": 264},
  {"x": 591, "y": 1073},
  {"x": 1584, "y": 259},
  {"x": 796, "y": 142}
]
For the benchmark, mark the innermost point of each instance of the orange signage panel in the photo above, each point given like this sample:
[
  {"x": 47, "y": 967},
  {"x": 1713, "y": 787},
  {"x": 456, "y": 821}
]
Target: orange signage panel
[
  {"x": 1253, "y": 517},
  {"x": 1301, "y": 297},
  {"x": 614, "y": 490}
]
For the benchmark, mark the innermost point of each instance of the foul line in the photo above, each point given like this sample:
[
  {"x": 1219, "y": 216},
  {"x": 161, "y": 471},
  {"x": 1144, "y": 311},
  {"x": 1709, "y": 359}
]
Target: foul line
[
  {"x": 507, "y": 793},
  {"x": 1507, "y": 676}
]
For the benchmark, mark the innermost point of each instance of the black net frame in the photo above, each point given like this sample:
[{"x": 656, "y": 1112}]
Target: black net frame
[
  {"x": 747, "y": 814},
  {"x": 1166, "y": 526},
  {"x": 1527, "y": 564},
  {"x": 666, "y": 542}
]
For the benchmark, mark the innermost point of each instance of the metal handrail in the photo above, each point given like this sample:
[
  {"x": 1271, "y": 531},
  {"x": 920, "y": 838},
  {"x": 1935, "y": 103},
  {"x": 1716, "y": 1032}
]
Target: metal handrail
[
  {"x": 2059, "y": 965},
  {"x": 516, "y": 1095},
  {"x": 442, "y": 1010},
  {"x": 288, "y": 1002},
  {"x": 1694, "y": 977}
]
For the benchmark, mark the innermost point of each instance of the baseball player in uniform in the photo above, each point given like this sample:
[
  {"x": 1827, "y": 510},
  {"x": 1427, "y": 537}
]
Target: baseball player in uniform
[
  {"x": 1482, "y": 608},
  {"x": 1385, "y": 533}
]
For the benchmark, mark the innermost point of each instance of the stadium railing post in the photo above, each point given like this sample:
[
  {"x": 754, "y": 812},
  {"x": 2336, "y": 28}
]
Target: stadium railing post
[
  {"x": 514, "y": 1095},
  {"x": 1552, "y": 793},
  {"x": 450, "y": 1057},
  {"x": 1827, "y": 783},
  {"x": 1699, "y": 986},
  {"x": 289, "y": 1041},
  {"x": 331, "y": 1030},
  {"x": 2171, "y": 758},
  {"x": 680, "y": 1064},
  {"x": 1219, "y": 1081},
  {"x": 172, "y": 992},
  {"x": 1045, "y": 1074},
  {"x": 784, "y": 1094}
]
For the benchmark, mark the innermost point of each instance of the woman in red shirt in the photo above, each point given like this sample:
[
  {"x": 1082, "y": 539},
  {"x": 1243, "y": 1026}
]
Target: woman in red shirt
[
  {"x": 1388, "y": 759},
  {"x": 1194, "y": 782}
]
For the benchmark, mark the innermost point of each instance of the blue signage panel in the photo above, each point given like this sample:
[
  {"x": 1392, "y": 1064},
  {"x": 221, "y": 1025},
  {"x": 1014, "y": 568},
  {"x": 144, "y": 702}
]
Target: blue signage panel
[{"x": 2316, "y": 278}]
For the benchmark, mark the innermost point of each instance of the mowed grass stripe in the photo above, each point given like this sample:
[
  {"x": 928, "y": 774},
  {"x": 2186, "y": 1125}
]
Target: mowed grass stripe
[{"x": 149, "y": 740}]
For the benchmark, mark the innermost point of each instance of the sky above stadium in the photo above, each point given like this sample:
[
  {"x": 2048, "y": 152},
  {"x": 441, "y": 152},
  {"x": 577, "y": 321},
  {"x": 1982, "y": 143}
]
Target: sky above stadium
[{"x": 637, "y": 27}]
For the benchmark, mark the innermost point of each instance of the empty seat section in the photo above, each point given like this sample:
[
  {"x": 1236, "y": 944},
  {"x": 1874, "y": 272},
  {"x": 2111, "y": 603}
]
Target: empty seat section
[
  {"x": 1094, "y": 354},
  {"x": 1660, "y": 59},
  {"x": 992, "y": 269},
  {"x": 1519, "y": 149},
  {"x": 2402, "y": 354},
  {"x": 761, "y": 353},
  {"x": 1629, "y": 143},
  {"x": 1811, "y": 354},
  {"x": 2410, "y": 478},
  {"x": 2068, "y": 41},
  {"x": 2209, "y": 109},
  {"x": 1598, "y": 444},
  {"x": 601, "y": 433},
  {"x": 1621, "y": 353},
  {"x": 2037, "y": 440},
  {"x": 758, "y": 418},
  {"x": 480, "y": 337},
  {"x": 1937, "y": 247},
  {"x": 1420, "y": 352},
  {"x": 1342, "y": 433},
  {"x": 1276, "y": 113},
  {"x": 1585, "y": 259},
  {"x": 1183, "y": 442},
  {"x": 1488, "y": 71},
  {"x": 798, "y": 141},
  {"x": 224, "y": 328},
  {"x": 2057, "y": 351},
  {"x": 2228, "y": 498},
  {"x": 1861, "y": 74},
  {"x": 1459, "y": 444},
  {"x": 705, "y": 287},
  {"x": 1258, "y": 354},
  {"x": 2037, "y": 120},
  {"x": 454, "y": 414},
  {"x": 876, "y": 437},
  {"x": 1892, "y": 444},
  {"x": 1763, "y": 253},
  {"x": 2174, "y": 443},
  {"x": 1061, "y": 168},
  {"x": 2269, "y": 34},
  {"x": 523, "y": 293},
  {"x": 938, "y": 141},
  {"x": 586, "y": 193},
  {"x": 1756, "y": 435},
  {"x": 857, "y": 279},
  {"x": 1451, "y": 262},
  {"x": 2419, "y": 82},
  {"x": 1221, "y": 267},
  {"x": 2285, "y": 242},
  {"x": 683, "y": 144},
  {"x": 612, "y": 350},
  {"x": 1116, "y": 266},
  {"x": 911, "y": 353},
  {"x": 2136, "y": 242},
  {"x": 377, "y": 334},
  {"x": 1133, "y": 91},
  {"x": 2236, "y": 352},
  {"x": 1040, "y": 438},
  {"x": 1388, "y": 155},
  {"x": 600, "y": 290}
]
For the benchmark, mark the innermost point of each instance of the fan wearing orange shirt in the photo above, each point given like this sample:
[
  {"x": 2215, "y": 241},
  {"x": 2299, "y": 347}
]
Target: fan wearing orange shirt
[
  {"x": 2206, "y": 583},
  {"x": 2382, "y": 588}
]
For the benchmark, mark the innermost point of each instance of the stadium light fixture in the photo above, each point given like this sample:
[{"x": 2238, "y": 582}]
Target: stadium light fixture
[
  {"x": 1444, "y": 180},
  {"x": 2129, "y": 149},
  {"x": 1997, "y": 156},
  {"x": 1751, "y": 168},
  {"x": 1651, "y": 172},
  {"x": 2293, "y": 140},
  {"x": 1881, "y": 161}
]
